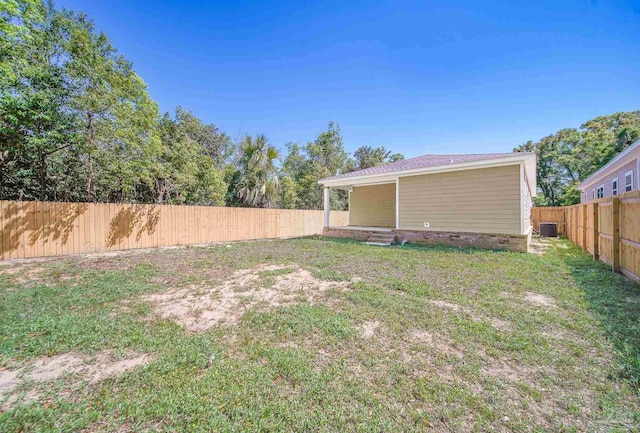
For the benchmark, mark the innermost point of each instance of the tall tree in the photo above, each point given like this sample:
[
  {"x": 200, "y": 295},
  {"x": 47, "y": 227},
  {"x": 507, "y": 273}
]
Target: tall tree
[
  {"x": 118, "y": 116},
  {"x": 214, "y": 143},
  {"x": 18, "y": 19},
  {"x": 290, "y": 174},
  {"x": 569, "y": 156},
  {"x": 256, "y": 182},
  {"x": 34, "y": 122},
  {"x": 69, "y": 97},
  {"x": 323, "y": 157},
  {"x": 367, "y": 156},
  {"x": 186, "y": 173}
]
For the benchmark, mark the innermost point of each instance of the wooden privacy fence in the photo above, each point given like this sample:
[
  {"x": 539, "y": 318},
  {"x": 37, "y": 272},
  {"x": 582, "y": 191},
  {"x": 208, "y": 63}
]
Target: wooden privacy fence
[
  {"x": 609, "y": 229},
  {"x": 549, "y": 215},
  {"x": 37, "y": 229}
]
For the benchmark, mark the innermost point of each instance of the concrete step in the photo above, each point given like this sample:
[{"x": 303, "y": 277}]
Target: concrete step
[
  {"x": 381, "y": 239},
  {"x": 382, "y": 236}
]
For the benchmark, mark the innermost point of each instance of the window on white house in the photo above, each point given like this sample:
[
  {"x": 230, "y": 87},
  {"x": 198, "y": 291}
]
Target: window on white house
[
  {"x": 614, "y": 186},
  {"x": 628, "y": 181},
  {"x": 593, "y": 194},
  {"x": 600, "y": 191}
]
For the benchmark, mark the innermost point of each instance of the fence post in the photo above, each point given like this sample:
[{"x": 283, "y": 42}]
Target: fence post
[
  {"x": 584, "y": 227},
  {"x": 616, "y": 234},
  {"x": 596, "y": 233}
]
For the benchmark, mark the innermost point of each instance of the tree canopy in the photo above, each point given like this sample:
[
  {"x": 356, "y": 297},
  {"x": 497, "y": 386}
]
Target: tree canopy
[
  {"x": 304, "y": 166},
  {"x": 77, "y": 123},
  {"x": 367, "y": 156},
  {"x": 256, "y": 182},
  {"x": 571, "y": 155}
]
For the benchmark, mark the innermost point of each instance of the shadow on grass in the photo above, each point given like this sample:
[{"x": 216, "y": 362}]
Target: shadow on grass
[
  {"x": 438, "y": 248},
  {"x": 616, "y": 302}
]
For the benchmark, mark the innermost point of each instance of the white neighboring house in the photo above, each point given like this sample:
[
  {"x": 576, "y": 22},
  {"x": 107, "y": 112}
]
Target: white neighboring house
[{"x": 618, "y": 176}]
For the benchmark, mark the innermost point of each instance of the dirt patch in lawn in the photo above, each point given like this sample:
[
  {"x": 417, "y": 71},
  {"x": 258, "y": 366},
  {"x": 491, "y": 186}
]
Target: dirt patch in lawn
[
  {"x": 24, "y": 274},
  {"x": 499, "y": 324},
  {"x": 91, "y": 369},
  {"x": 10, "y": 271},
  {"x": 440, "y": 343},
  {"x": 503, "y": 370},
  {"x": 536, "y": 298},
  {"x": 369, "y": 329},
  {"x": 449, "y": 305},
  {"x": 198, "y": 308}
]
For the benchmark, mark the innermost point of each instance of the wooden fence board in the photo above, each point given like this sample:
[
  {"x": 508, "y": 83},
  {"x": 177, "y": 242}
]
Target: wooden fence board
[
  {"x": 20, "y": 225},
  {"x": 549, "y": 214},
  {"x": 630, "y": 259},
  {"x": 630, "y": 214},
  {"x": 616, "y": 225},
  {"x": 588, "y": 228},
  {"x": 36, "y": 229}
]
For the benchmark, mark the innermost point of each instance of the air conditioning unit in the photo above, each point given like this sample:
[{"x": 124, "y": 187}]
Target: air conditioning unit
[{"x": 549, "y": 230}]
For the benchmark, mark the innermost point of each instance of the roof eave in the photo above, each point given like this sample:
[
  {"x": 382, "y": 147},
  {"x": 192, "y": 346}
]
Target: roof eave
[{"x": 378, "y": 177}]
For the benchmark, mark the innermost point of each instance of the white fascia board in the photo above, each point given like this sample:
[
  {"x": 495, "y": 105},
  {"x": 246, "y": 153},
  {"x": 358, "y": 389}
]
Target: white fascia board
[{"x": 390, "y": 177}]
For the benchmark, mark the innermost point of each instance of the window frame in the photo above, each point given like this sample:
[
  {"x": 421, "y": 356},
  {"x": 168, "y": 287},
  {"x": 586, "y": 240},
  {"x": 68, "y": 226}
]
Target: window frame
[
  {"x": 614, "y": 187},
  {"x": 629, "y": 185},
  {"x": 600, "y": 191}
]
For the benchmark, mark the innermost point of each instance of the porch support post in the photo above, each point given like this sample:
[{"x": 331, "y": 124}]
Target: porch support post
[
  {"x": 326, "y": 206},
  {"x": 397, "y": 203}
]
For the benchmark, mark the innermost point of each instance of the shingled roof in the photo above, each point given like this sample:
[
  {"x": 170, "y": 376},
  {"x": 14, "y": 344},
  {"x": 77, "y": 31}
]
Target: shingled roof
[{"x": 424, "y": 161}]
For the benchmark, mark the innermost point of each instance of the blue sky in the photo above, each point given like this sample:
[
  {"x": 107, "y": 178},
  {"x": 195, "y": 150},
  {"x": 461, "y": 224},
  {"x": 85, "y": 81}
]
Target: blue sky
[{"x": 416, "y": 77}]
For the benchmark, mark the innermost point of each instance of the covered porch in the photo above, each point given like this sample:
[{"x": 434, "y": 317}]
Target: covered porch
[
  {"x": 373, "y": 213},
  {"x": 372, "y": 207},
  {"x": 374, "y": 217}
]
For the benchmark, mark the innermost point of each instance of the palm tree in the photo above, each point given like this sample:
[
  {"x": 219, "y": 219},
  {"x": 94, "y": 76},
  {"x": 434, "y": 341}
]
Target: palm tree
[{"x": 258, "y": 183}]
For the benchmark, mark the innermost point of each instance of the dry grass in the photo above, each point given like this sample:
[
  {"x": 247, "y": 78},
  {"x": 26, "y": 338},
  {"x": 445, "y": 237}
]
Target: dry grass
[
  {"x": 317, "y": 335},
  {"x": 199, "y": 307}
]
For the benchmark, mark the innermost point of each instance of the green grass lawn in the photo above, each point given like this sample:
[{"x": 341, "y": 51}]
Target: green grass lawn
[{"x": 319, "y": 335}]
